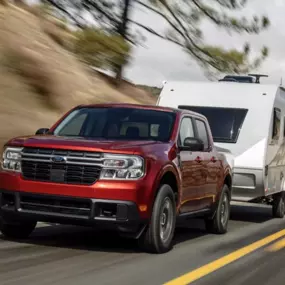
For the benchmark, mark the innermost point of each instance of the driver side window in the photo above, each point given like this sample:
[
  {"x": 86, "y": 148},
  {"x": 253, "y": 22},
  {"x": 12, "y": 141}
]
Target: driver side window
[{"x": 186, "y": 130}]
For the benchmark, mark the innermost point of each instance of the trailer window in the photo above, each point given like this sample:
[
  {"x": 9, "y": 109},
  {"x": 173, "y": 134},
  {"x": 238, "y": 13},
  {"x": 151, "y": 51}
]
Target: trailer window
[
  {"x": 225, "y": 123},
  {"x": 276, "y": 124},
  {"x": 284, "y": 127}
]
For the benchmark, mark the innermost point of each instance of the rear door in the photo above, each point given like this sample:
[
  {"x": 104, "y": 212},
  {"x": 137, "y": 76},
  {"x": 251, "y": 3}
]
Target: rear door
[
  {"x": 211, "y": 165},
  {"x": 191, "y": 170}
]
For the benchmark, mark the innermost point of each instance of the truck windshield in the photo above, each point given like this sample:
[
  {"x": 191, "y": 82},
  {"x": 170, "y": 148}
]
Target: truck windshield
[
  {"x": 225, "y": 123},
  {"x": 115, "y": 123}
]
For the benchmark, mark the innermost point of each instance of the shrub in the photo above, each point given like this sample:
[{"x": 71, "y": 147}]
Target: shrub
[{"x": 101, "y": 49}]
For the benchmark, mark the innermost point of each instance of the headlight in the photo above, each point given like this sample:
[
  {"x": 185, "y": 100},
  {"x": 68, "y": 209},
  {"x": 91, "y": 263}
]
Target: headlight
[
  {"x": 122, "y": 167},
  {"x": 11, "y": 159}
]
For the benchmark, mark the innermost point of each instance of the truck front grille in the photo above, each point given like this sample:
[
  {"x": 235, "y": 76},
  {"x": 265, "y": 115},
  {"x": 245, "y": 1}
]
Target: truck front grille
[{"x": 72, "y": 168}]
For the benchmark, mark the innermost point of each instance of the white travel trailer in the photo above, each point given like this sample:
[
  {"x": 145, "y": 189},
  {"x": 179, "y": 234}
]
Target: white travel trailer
[{"x": 247, "y": 121}]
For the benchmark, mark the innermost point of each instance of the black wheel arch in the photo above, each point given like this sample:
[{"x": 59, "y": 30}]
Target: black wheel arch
[{"x": 228, "y": 181}]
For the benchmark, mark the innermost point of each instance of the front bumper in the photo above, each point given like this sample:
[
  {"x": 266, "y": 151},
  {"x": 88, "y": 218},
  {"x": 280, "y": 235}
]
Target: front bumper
[{"x": 122, "y": 216}]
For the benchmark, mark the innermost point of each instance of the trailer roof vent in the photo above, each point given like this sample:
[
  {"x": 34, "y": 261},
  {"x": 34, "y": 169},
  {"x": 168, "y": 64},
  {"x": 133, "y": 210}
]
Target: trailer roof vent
[{"x": 250, "y": 78}]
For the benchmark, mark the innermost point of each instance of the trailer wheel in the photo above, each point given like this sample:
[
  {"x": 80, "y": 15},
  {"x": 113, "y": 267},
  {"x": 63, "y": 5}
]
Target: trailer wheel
[{"x": 278, "y": 207}]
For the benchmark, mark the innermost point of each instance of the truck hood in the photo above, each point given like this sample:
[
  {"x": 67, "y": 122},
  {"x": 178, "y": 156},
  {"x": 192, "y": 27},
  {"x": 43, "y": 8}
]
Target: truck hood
[{"x": 84, "y": 144}]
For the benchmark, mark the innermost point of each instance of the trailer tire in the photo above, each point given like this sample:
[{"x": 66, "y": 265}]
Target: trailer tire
[{"x": 278, "y": 207}]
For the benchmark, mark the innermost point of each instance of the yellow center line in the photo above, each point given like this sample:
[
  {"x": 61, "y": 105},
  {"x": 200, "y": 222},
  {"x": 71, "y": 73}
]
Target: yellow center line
[
  {"x": 223, "y": 261},
  {"x": 277, "y": 245}
]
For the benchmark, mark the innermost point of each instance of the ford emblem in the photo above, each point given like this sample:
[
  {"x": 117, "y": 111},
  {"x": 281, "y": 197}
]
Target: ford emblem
[{"x": 58, "y": 159}]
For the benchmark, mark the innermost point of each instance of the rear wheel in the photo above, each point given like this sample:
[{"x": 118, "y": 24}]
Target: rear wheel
[
  {"x": 17, "y": 230},
  {"x": 219, "y": 223},
  {"x": 158, "y": 237},
  {"x": 278, "y": 207}
]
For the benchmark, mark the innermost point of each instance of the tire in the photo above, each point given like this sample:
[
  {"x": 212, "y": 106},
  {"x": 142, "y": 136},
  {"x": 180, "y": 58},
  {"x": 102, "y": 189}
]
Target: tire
[
  {"x": 162, "y": 222},
  {"x": 20, "y": 230},
  {"x": 219, "y": 223},
  {"x": 278, "y": 207}
]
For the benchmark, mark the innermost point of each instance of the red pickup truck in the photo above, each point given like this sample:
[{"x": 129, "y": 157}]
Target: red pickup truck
[{"x": 124, "y": 167}]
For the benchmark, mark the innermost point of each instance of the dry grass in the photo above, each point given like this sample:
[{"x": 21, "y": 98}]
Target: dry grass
[
  {"x": 40, "y": 80},
  {"x": 59, "y": 33},
  {"x": 31, "y": 68},
  {"x": 4, "y": 2}
]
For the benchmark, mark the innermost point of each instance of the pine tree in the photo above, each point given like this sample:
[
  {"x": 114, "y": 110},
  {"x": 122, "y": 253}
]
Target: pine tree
[{"x": 183, "y": 18}]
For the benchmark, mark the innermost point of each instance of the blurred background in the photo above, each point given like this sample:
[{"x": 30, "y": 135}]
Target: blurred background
[{"x": 56, "y": 54}]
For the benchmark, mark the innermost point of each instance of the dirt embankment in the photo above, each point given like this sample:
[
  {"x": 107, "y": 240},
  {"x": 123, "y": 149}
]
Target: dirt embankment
[{"x": 41, "y": 79}]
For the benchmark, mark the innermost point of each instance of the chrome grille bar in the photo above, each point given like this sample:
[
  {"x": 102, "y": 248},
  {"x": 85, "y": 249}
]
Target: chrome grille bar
[{"x": 76, "y": 167}]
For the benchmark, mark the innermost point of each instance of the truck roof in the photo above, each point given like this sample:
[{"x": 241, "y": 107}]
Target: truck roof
[{"x": 139, "y": 106}]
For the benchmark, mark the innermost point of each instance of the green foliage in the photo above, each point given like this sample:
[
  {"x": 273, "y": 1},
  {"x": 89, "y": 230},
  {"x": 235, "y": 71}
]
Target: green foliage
[
  {"x": 43, "y": 8},
  {"x": 216, "y": 60},
  {"x": 101, "y": 49}
]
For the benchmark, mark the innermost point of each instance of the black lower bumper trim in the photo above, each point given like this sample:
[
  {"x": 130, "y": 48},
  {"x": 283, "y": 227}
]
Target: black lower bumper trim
[{"x": 110, "y": 214}]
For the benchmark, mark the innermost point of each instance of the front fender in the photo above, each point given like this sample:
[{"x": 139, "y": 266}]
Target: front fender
[{"x": 169, "y": 167}]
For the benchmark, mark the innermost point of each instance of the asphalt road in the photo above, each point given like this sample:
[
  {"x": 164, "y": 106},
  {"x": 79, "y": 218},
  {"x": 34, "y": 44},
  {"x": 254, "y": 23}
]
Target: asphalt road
[{"x": 62, "y": 255}]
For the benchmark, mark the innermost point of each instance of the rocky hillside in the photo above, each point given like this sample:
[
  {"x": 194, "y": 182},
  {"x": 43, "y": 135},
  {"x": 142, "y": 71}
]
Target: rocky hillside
[{"x": 40, "y": 79}]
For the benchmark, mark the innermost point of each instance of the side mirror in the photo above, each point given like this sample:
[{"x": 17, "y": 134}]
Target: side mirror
[
  {"x": 42, "y": 131},
  {"x": 193, "y": 144}
]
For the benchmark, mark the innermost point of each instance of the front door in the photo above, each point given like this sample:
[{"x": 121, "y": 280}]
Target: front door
[{"x": 191, "y": 169}]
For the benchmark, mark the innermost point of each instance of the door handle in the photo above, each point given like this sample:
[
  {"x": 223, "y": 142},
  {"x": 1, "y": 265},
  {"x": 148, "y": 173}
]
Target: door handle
[
  {"x": 198, "y": 159},
  {"x": 213, "y": 159}
]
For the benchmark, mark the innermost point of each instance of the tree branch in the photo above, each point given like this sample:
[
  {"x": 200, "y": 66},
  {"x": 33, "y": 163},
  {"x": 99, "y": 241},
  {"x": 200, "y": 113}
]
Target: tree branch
[
  {"x": 150, "y": 30},
  {"x": 216, "y": 21},
  {"x": 60, "y": 8},
  {"x": 191, "y": 46},
  {"x": 231, "y": 4},
  {"x": 227, "y": 22},
  {"x": 161, "y": 15},
  {"x": 96, "y": 6},
  {"x": 185, "y": 34}
]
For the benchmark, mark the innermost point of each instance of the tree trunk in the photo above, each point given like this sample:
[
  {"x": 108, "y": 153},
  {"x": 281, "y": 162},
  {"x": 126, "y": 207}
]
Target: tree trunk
[
  {"x": 119, "y": 75},
  {"x": 122, "y": 29}
]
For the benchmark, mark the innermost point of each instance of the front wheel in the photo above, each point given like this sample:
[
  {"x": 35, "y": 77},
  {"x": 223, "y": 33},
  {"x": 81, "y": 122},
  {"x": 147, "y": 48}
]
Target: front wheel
[
  {"x": 17, "y": 230},
  {"x": 219, "y": 223},
  {"x": 158, "y": 236}
]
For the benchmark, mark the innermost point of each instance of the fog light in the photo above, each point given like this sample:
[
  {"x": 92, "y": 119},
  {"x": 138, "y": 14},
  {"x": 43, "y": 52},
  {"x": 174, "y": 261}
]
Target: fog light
[{"x": 143, "y": 208}]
